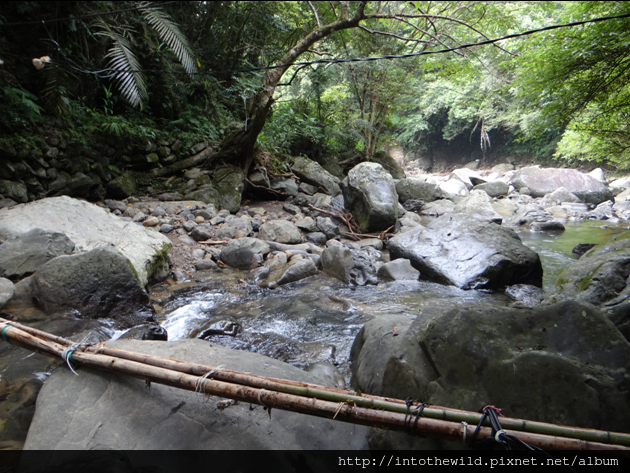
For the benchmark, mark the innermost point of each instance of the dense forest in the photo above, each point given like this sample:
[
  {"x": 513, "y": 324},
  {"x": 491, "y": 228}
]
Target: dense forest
[{"x": 263, "y": 81}]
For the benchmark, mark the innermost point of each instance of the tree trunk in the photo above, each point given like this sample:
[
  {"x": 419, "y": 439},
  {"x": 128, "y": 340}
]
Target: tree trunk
[{"x": 239, "y": 147}]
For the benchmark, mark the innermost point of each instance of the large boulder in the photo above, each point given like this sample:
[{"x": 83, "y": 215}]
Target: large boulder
[
  {"x": 352, "y": 267},
  {"x": 229, "y": 184},
  {"x": 99, "y": 410},
  {"x": 541, "y": 181},
  {"x": 370, "y": 195},
  {"x": 416, "y": 189},
  {"x": 241, "y": 252},
  {"x": 468, "y": 253},
  {"x": 89, "y": 227},
  {"x": 563, "y": 364},
  {"x": 478, "y": 205},
  {"x": 22, "y": 255},
  {"x": 493, "y": 188},
  {"x": 389, "y": 164},
  {"x": 312, "y": 173},
  {"x": 280, "y": 231},
  {"x": 101, "y": 283}
]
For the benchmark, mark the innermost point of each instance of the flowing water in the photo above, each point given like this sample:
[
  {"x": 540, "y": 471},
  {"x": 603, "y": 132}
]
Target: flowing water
[{"x": 314, "y": 320}]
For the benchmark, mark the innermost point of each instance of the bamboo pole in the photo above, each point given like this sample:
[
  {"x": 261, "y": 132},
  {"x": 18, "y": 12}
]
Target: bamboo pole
[{"x": 317, "y": 400}]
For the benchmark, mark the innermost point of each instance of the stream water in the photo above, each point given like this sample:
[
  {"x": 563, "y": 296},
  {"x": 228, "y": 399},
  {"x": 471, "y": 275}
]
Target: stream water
[{"x": 314, "y": 320}]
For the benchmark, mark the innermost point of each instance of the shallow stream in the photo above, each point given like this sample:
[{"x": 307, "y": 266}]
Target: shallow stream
[{"x": 314, "y": 320}]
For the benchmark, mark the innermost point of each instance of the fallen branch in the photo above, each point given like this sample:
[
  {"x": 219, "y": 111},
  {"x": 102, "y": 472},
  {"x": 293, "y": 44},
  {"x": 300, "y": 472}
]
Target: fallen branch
[
  {"x": 306, "y": 398},
  {"x": 335, "y": 213}
]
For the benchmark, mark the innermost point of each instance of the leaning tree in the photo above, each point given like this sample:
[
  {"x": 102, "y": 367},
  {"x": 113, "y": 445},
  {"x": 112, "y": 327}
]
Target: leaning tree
[{"x": 419, "y": 25}]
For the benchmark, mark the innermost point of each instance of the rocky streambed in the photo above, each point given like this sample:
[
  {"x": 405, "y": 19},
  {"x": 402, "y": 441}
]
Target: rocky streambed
[{"x": 442, "y": 302}]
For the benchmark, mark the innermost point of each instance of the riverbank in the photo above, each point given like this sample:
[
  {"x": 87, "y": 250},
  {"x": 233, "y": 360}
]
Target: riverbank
[{"x": 303, "y": 268}]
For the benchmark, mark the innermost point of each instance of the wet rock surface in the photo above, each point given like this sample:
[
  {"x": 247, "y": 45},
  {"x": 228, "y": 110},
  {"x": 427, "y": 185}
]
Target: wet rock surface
[{"x": 468, "y": 253}]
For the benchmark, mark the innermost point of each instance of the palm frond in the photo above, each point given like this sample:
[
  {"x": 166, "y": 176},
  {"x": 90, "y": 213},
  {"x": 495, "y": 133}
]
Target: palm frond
[
  {"x": 60, "y": 84},
  {"x": 170, "y": 33},
  {"x": 128, "y": 74}
]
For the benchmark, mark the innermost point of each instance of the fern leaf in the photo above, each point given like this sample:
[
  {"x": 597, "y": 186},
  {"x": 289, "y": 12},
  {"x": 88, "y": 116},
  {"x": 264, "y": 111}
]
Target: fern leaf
[
  {"x": 171, "y": 34},
  {"x": 130, "y": 80}
]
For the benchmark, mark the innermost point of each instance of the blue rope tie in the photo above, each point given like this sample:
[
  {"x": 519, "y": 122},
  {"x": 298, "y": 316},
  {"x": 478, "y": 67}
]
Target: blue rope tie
[
  {"x": 66, "y": 355},
  {"x": 4, "y": 329}
]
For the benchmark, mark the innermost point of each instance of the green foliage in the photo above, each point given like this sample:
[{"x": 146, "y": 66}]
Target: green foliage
[
  {"x": 578, "y": 79},
  {"x": 170, "y": 33},
  {"x": 17, "y": 107}
]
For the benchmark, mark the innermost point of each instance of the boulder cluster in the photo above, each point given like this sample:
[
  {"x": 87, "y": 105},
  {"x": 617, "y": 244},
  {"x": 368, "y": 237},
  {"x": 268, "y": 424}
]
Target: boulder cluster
[{"x": 560, "y": 356}]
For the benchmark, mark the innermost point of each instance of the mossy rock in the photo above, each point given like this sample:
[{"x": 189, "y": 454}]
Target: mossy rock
[{"x": 229, "y": 183}]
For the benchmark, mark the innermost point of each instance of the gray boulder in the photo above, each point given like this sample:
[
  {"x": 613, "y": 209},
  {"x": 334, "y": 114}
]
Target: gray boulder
[
  {"x": 558, "y": 196},
  {"x": 453, "y": 188},
  {"x": 389, "y": 164},
  {"x": 101, "y": 283},
  {"x": 89, "y": 227},
  {"x": 241, "y": 252},
  {"x": 469, "y": 357},
  {"x": 294, "y": 271},
  {"x": 526, "y": 296},
  {"x": 398, "y": 270},
  {"x": 286, "y": 186},
  {"x": 231, "y": 228},
  {"x": 352, "y": 267},
  {"x": 131, "y": 417},
  {"x": 370, "y": 195},
  {"x": 6, "y": 291},
  {"x": 535, "y": 218},
  {"x": 478, "y": 205},
  {"x": 415, "y": 189},
  {"x": 493, "y": 188},
  {"x": 281, "y": 231},
  {"x": 306, "y": 224},
  {"x": 544, "y": 181},
  {"x": 438, "y": 208},
  {"x": 22, "y": 255},
  {"x": 467, "y": 176},
  {"x": 312, "y": 173},
  {"x": 468, "y": 253}
]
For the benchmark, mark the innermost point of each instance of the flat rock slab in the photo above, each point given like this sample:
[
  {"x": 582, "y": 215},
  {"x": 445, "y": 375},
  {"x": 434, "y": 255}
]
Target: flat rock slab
[
  {"x": 89, "y": 227},
  {"x": 468, "y": 253},
  {"x": 98, "y": 410}
]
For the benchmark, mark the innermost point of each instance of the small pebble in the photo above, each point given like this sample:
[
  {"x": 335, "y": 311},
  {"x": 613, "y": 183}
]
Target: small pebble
[
  {"x": 151, "y": 222},
  {"x": 199, "y": 219}
]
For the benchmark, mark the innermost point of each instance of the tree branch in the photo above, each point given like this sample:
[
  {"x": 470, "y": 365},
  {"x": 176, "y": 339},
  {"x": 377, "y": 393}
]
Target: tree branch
[{"x": 319, "y": 23}]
